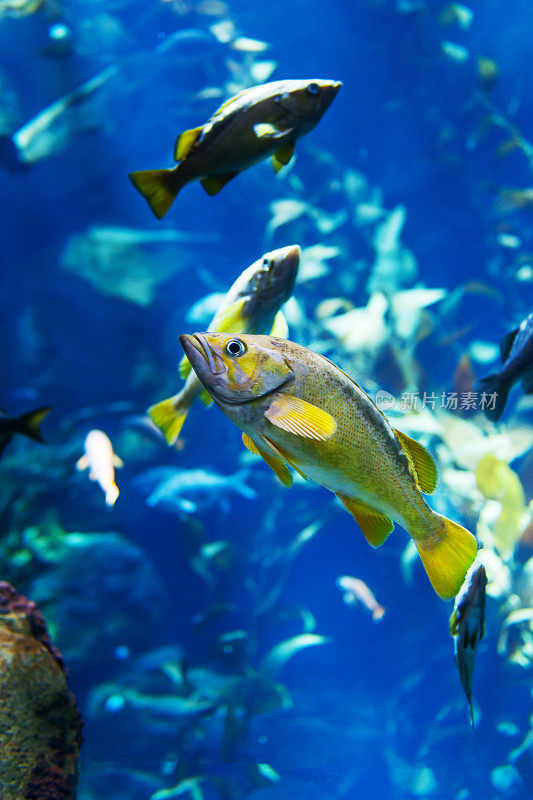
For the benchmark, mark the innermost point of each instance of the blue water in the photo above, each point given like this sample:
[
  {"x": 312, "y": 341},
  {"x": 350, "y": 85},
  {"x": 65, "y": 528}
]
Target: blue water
[{"x": 377, "y": 711}]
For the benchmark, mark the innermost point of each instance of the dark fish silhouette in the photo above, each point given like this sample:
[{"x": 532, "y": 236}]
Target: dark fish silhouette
[
  {"x": 467, "y": 626},
  {"x": 516, "y": 350},
  {"x": 26, "y": 424}
]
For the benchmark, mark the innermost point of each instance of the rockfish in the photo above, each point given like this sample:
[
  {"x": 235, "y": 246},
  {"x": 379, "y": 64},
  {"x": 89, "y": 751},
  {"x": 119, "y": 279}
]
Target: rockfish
[
  {"x": 258, "y": 122},
  {"x": 296, "y": 408},
  {"x": 252, "y": 305}
]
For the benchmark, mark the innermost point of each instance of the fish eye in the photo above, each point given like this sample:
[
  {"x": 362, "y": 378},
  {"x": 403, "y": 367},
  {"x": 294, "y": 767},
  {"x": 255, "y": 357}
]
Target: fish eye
[
  {"x": 235, "y": 348},
  {"x": 266, "y": 262},
  {"x": 313, "y": 88}
]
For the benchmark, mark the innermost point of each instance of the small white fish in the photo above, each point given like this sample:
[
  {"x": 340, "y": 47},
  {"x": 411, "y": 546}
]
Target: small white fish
[
  {"x": 101, "y": 461},
  {"x": 356, "y": 591}
]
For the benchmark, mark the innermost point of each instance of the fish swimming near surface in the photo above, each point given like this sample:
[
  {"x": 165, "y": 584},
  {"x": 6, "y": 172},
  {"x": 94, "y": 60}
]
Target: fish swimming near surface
[
  {"x": 101, "y": 461},
  {"x": 258, "y": 122},
  {"x": 516, "y": 350},
  {"x": 26, "y": 424},
  {"x": 188, "y": 490},
  {"x": 356, "y": 591},
  {"x": 252, "y": 305},
  {"x": 467, "y": 626},
  {"x": 296, "y": 408}
]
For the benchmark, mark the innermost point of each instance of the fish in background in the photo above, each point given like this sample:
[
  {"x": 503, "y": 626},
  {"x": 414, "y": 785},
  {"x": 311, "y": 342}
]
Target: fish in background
[
  {"x": 101, "y": 461},
  {"x": 258, "y": 122},
  {"x": 296, "y": 408},
  {"x": 356, "y": 591},
  {"x": 26, "y": 425},
  {"x": 52, "y": 129},
  {"x": 252, "y": 305},
  {"x": 467, "y": 626},
  {"x": 188, "y": 490},
  {"x": 516, "y": 349}
]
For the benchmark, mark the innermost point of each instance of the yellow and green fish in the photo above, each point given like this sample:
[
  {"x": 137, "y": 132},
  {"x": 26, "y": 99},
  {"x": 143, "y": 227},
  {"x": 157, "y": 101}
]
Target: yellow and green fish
[
  {"x": 252, "y": 305},
  {"x": 296, "y": 408},
  {"x": 258, "y": 122}
]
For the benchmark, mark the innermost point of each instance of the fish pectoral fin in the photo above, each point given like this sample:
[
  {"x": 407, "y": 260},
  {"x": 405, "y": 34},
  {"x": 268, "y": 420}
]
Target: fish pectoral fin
[
  {"x": 506, "y": 344},
  {"x": 185, "y": 141},
  {"x": 284, "y": 456},
  {"x": 206, "y": 399},
  {"x": 454, "y": 623},
  {"x": 374, "y": 525},
  {"x": 282, "y": 156},
  {"x": 301, "y": 418},
  {"x": 421, "y": 462},
  {"x": 275, "y": 464},
  {"x": 117, "y": 461},
  {"x": 82, "y": 463},
  {"x": 280, "y": 329},
  {"x": 184, "y": 368},
  {"x": 230, "y": 320},
  {"x": 215, "y": 183},
  {"x": 267, "y": 130}
]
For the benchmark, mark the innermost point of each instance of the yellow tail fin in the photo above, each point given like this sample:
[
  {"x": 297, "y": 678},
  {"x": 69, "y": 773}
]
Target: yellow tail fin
[
  {"x": 159, "y": 187},
  {"x": 169, "y": 416},
  {"x": 447, "y": 560}
]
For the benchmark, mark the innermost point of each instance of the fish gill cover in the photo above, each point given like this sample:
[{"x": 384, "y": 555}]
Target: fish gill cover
[{"x": 226, "y": 636}]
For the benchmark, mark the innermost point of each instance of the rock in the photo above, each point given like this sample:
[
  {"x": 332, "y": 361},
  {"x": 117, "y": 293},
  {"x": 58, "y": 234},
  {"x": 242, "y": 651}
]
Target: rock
[{"x": 40, "y": 725}]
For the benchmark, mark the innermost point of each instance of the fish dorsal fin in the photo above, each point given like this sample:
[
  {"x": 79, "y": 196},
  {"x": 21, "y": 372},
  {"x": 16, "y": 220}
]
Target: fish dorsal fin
[
  {"x": 279, "y": 451},
  {"x": 206, "y": 399},
  {"x": 282, "y": 156},
  {"x": 421, "y": 462},
  {"x": 117, "y": 461},
  {"x": 276, "y": 464},
  {"x": 215, "y": 183},
  {"x": 507, "y": 343},
  {"x": 301, "y": 418},
  {"x": 185, "y": 141},
  {"x": 228, "y": 102},
  {"x": 280, "y": 329},
  {"x": 375, "y": 526},
  {"x": 230, "y": 320},
  {"x": 184, "y": 368}
]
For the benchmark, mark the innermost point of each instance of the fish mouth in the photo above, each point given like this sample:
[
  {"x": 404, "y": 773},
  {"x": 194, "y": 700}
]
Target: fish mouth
[
  {"x": 202, "y": 359},
  {"x": 282, "y": 274},
  {"x": 199, "y": 345}
]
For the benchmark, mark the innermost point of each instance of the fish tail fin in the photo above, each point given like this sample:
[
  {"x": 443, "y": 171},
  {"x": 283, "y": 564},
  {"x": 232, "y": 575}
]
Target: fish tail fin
[
  {"x": 447, "y": 559},
  {"x": 169, "y": 416},
  {"x": 159, "y": 188},
  {"x": 497, "y": 389},
  {"x": 9, "y": 155},
  {"x": 28, "y": 424},
  {"x": 111, "y": 495}
]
